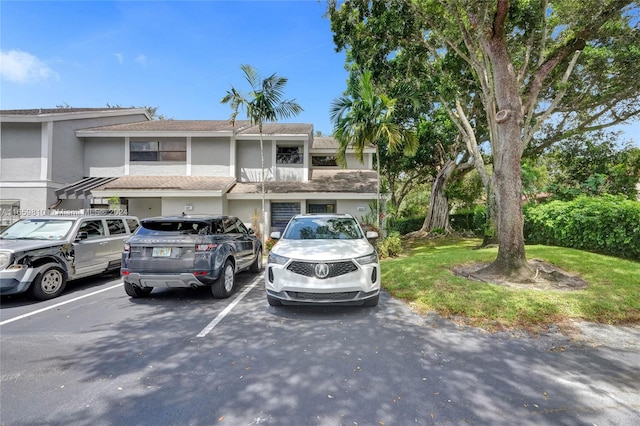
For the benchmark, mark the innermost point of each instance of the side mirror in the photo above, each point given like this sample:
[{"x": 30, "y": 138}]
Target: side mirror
[
  {"x": 372, "y": 235},
  {"x": 82, "y": 235},
  {"x": 276, "y": 235}
]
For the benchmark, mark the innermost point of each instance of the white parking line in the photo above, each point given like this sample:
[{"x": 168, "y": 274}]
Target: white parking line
[
  {"x": 59, "y": 304},
  {"x": 228, "y": 309}
]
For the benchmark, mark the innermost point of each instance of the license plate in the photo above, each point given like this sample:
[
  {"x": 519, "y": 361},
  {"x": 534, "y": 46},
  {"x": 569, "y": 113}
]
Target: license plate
[{"x": 161, "y": 252}]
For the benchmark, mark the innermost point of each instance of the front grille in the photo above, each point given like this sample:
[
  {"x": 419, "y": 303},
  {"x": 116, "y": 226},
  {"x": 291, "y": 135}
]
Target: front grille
[
  {"x": 301, "y": 296},
  {"x": 308, "y": 269}
]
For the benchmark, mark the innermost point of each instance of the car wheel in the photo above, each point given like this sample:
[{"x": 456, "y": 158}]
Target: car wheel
[
  {"x": 223, "y": 286},
  {"x": 49, "y": 283},
  {"x": 273, "y": 301},
  {"x": 372, "y": 301},
  {"x": 256, "y": 266},
  {"x": 136, "y": 292}
]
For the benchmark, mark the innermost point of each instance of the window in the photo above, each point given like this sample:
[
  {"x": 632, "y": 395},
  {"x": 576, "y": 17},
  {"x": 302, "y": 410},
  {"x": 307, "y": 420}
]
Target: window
[
  {"x": 158, "y": 151},
  {"x": 116, "y": 226},
  {"x": 289, "y": 155},
  {"x": 133, "y": 225},
  {"x": 323, "y": 161},
  {"x": 93, "y": 228}
]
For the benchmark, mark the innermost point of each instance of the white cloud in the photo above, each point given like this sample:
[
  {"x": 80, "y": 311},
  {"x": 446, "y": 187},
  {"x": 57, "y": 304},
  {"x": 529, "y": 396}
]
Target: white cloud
[
  {"x": 23, "y": 67},
  {"x": 141, "y": 59},
  {"x": 119, "y": 57}
]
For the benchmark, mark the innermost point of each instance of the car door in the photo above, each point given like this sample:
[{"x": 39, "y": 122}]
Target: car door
[
  {"x": 91, "y": 253},
  {"x": 117, "y": 236},
  {"x": 245, "y": 242}
]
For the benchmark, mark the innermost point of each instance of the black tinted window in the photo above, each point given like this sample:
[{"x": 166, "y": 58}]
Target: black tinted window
[
  {"x": 133, "y": 224},
  {"x": 93, "y": 228},
  {"x": 173, "y": 227},
  {"x": 116, "y": 226}
]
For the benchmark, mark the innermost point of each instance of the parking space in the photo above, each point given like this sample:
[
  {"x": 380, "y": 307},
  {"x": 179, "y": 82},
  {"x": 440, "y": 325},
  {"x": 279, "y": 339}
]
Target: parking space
[{"x": 108, "y": 359}]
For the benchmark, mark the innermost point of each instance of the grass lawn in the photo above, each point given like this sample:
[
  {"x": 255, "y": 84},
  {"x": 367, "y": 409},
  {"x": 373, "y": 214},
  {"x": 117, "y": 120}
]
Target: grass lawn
[{"x": 421, "y": 277}]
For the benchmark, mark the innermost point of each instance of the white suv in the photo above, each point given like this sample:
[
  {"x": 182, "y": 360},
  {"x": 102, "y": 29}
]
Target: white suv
[{"x": 323, "y": 258}]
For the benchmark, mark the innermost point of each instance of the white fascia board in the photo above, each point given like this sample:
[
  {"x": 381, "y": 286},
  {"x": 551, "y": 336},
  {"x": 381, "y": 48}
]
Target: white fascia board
[
  {"x": 334, "y": 150},
  {"x": 154, "y": 193},
  {"x": 306, "y": 196},
  {"x": 281, "y": 137},
  {"x": 155, "y": 134},
  {"x": 61, "y": 116}
]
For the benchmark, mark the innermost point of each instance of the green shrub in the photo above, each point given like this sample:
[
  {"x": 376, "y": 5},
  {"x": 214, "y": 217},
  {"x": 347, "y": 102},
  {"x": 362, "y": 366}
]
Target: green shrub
[
  {"x": 269, "y": 244},
  {"x": 405, "y": 225},
  {"x": 390, "y": 246},
  {"x": 608, "y": 225}
]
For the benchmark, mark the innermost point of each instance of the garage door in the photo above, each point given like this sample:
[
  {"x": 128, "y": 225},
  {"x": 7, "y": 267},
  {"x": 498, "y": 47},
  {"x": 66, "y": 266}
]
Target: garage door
[{"x": 281, "y": 213}]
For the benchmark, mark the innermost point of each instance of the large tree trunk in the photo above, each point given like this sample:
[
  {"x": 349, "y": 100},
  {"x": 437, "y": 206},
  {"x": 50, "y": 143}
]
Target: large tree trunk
[
  {"x": 507, "y": 154},
  {"x": 490, "y": 234},
  {"x": 438, "y": 213}
]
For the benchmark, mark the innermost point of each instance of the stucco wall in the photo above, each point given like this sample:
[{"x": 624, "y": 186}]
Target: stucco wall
[
  {"x": 20, "y": 149},
  {"x": 69, "y": 151},
  {"x": 104, "y": 157},
  {"x": 210, "y": 156},
  {"x": 201, "y": 205},
  {"x": 245, "y": 210},
  {"x": 248, "y": 161},
  {"x": 157, "y": 169},
  {"x": 145, "y": 207},
  {"x": 357, "y": 208}
]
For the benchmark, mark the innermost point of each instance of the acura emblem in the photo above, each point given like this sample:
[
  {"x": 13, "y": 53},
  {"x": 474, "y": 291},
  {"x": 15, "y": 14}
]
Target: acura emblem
[{"x": 322, "y": 270}]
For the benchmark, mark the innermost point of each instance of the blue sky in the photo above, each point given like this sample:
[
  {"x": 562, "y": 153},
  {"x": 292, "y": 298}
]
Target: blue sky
[{"x": 178, "y": 56}]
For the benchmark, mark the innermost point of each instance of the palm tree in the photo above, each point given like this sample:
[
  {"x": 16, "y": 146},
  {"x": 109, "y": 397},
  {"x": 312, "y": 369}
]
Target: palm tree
[
  {"x": 263, "y": 103},
  {"x": 366, "y": 118}
]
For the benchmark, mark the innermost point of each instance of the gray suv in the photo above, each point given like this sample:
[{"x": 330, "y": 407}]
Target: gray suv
[
  {"x": 189, "y": 252},
  {"x": 40, "y": 254}
]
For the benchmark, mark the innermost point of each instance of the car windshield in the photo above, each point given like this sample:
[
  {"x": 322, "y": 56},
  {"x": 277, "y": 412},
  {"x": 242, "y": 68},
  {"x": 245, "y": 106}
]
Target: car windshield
[
  {"x": 37, "y": 229},
  {"x": 163, "y": 227},
  {"x": 322, "y": 228}
]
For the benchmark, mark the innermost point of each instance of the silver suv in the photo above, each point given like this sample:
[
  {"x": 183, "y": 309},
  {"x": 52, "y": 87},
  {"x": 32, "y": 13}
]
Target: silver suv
[{"x": 40, "y": 254}]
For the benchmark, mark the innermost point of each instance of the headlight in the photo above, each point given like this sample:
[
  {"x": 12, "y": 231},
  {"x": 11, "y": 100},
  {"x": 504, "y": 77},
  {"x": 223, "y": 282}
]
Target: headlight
[
  {"x": 370, "y": 258},
  {"x": 4, "y": 260},
  {"x": 278, "y": 260}
]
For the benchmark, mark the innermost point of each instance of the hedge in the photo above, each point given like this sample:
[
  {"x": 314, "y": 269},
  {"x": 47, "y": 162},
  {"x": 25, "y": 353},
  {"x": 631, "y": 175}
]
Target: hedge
[{"x": 608, "y": 225}]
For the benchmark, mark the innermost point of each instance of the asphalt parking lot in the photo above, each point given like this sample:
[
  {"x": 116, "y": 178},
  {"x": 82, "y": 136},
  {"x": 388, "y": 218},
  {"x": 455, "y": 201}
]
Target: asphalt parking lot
[{"x": 96, "y": 357}]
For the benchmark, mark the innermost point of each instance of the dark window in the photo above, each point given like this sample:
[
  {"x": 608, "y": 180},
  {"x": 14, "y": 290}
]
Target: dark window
[
  {"x": 93, "y": 228},
  {"x": 323, "y": 161},
  {"x": 116, "y": 226},
  {"x": 281, "y": 213},
  {"x": 133, "y": 224},
  {"x": 289, "y": 155},
  {"x": 158, "y": 151}
]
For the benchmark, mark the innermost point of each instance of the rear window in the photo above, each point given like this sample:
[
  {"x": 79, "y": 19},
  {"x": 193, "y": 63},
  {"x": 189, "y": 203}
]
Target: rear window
[
  {"x": 322, "y": 228},
  {"x": 173, "y": 227}
]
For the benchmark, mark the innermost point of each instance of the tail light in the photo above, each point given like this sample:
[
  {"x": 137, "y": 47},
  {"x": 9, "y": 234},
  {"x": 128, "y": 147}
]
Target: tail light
[{"x": 205, "y": 247}]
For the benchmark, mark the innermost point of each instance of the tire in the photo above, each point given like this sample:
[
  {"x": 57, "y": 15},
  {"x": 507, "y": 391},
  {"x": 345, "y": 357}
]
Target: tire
[
  {"x": 370, "y": 303},
  {"x": 136, "y": 292},
  {"x": 273, "y": 301},
  {"x": 256, "y": 266},
  {"x": 223, "y": 286},
  {"x": 49, "y": 283}
]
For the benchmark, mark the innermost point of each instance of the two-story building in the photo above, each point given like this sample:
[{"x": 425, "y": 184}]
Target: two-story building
[{"x": 69, "y": 159}]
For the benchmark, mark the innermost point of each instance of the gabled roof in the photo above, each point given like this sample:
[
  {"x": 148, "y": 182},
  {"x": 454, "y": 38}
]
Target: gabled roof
[
  {"x": 48, "y": 111},
  {"x": 182, "y": 183},
  {"x": 322, "y": 181},
  {"x": 171, "y": 126},
  {"x": 60, "y": 114},
  {"x": 279, "y": 129}
]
